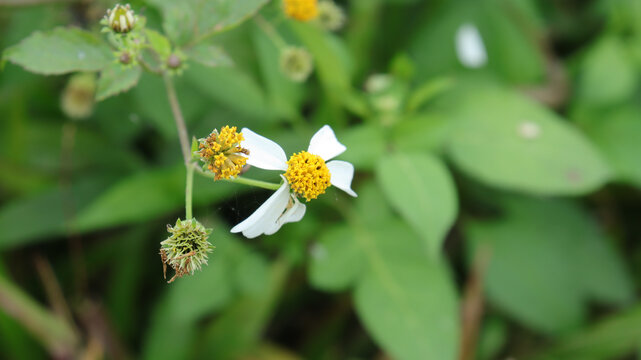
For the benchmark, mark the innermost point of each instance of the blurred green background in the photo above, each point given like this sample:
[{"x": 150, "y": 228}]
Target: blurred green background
[{"x": 498, "y": 216}]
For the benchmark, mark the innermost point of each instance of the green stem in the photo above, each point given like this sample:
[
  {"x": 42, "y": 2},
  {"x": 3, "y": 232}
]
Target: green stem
[
  {"x": 178, "y": 118},
  {"x": 269, "y": 30},
  {"x": 245, "y": 181},
  {"x": 189, "y": 190},
  {"x": 256, "y": 183}
]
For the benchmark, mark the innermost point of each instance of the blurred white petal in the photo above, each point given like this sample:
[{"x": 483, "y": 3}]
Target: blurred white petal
[{"x": 469, "y": 46}]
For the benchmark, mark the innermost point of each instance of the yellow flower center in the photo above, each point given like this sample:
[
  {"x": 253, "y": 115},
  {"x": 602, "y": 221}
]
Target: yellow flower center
[
  {"x": 307, "y": 174},
  {"x": 302, "y": 10},
  {"x": 222, "y": 152}
]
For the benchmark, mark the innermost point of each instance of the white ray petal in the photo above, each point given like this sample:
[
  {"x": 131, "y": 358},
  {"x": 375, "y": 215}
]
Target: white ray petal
[
  {"x": 469, "y": 46},
  {"x": 263, "y": 153},
  {"x": 266, "y": 215},
  {"x": 325, "y": 144},
  {"x": 341, "y": 175},
  {"x": 294, "y": 213}
]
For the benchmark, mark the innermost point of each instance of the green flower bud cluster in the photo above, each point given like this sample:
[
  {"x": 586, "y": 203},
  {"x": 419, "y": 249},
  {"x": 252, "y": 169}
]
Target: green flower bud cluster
[
  {"x": 121, "y": 19},
  {"x": 331, "y": 16},
  {"x": 296, "y": 63},
  {"x": 77, "y": 99},
  {"x": 186, "y": 249}
]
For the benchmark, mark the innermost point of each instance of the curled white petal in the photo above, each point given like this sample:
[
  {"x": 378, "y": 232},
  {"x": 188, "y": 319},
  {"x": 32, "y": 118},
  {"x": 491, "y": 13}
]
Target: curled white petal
[
  {"x": 295, "y": 212},
  {"x": 263, "y": 153},
  {"x": 469, "y": 46},
  {"x": 325, "y": 144},
  {"x": 341, "y": 175},
  {"x": 266, "y": 215}
]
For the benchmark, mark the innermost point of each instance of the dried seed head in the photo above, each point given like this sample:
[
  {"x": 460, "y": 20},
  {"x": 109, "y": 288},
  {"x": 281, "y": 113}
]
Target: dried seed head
[{"x": 186, "y": 249}]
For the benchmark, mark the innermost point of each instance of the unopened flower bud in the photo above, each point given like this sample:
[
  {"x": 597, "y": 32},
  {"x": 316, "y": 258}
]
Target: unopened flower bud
[
  {"x": 125, "y": 58},
  {"x": 174, "y": 61},
  {"x": 186, "y": 249},
  {"x": 77, "y": 99},
  {"x": 331, "y": 16},
  {"x": 302, "y": 10},
  {"x": 296, "y": 63},
  {"x": 121, "y": 19}
]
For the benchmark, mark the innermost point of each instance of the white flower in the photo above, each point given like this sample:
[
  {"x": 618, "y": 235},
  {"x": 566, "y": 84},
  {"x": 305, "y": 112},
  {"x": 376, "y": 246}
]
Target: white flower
[
  {"x": 306, "y": 175},
  {"x": 469, "y": 46}
]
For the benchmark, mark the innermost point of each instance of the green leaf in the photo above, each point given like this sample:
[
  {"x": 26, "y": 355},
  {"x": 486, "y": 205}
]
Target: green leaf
[
  {"x": 209, "y": 55},
  {"x": 158, "y": 42},
  {"x": 239, "y": 328},
  {"x": 607, "y": 74},
  {"x": 421, "y": 132},
  {"x": 24, "y": 221},
  {"x": 285, "y": 95},
  {"x": 421, "y": 189},
  {"x": 195, "y": 20},
  {"x": 618, "y": 134},
  {"x": 508, "y": 141},
  {"x": 337, "y": 261},
  {"x": 366, "y": 144},
  {"x": 541, "y": 264},
  {"x": 612, "y": 338},
  {"x": 148, "y": 195},
  {"x": 60, "y": 51},
  {"x": 117, "y": 79},
  {"x": 331, "y": 63},
  {"x": 406, "y": 302},
  {"x": 232, "y": 87},
  {"x": 513, "y": 54}
]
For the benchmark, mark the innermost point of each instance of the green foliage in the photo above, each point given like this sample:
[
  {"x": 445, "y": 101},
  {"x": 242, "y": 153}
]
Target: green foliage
[
  {"x": 508, "y": 141},
  {"x": 497, "y": 208},
  {"x": 116, "y": 79},
  {"x": 60, "y": 51},
  {"x": 422, "y": 191},
  {"x": 530, "y": 274},
  {"x": 402, "y": 295},
  {"x": 198, "y": 19}
]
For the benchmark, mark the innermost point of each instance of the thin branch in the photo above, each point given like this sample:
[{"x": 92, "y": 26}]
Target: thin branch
[
  {"x": 242, "y": 180},
  {"x": 473, "y": 304},
  {"x": 178, "y": 118},
  {"x": 56, "y": 335},
  {"x": 52, "y": 289}
]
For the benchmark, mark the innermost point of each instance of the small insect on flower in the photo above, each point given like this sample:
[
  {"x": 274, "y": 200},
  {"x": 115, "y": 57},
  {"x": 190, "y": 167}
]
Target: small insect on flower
[
  {"x": 222, "y": 153},
  {"x": 121, "y": 19},
  {"x": 186, "y": 249},
  {"x": 302, "y": 10},
  {"x": 307, "y": 174}
]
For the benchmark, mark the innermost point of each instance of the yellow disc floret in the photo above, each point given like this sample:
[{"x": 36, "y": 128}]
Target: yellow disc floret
[
  {"x": 307, "y": 174},
  {"x": 302, "y": 10},
  {"x": 222, "y": 152}
]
